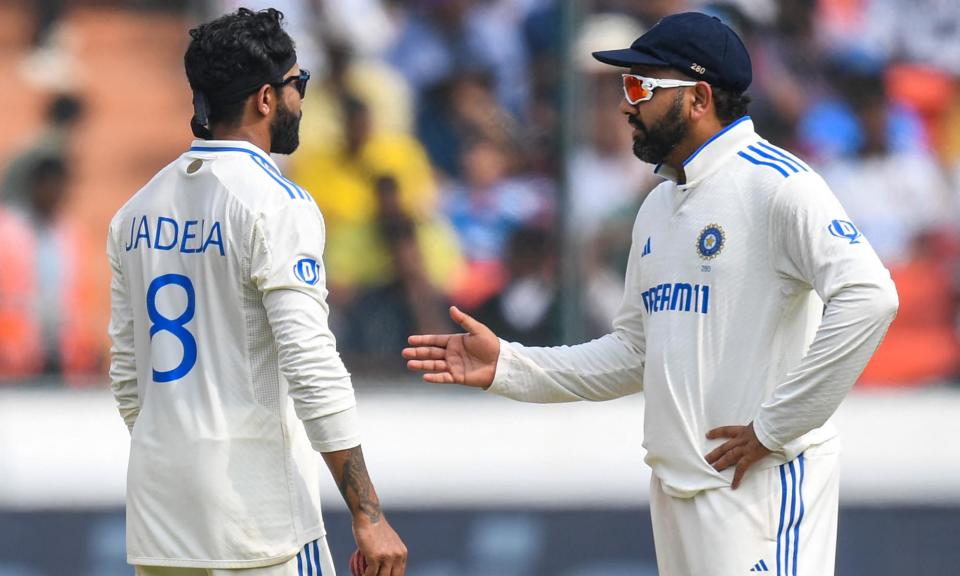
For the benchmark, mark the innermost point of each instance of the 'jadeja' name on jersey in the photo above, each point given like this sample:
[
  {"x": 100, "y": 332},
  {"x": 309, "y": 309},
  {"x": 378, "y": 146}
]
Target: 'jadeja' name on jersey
[
  {"x": 187, "y": 237},
  {"x": 678, "y": 296}
]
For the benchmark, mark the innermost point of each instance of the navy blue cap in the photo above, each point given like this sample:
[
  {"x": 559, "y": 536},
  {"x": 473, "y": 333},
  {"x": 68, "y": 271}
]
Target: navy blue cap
[{"x": 701, "y": 46}]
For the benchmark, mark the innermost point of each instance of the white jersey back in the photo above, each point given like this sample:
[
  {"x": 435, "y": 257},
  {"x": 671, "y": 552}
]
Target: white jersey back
[{"x": 221, "y": 472}]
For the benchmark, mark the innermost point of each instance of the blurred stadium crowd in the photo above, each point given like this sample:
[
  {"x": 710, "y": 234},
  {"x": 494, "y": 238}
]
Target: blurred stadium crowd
[{"x": 469, "y": 152}]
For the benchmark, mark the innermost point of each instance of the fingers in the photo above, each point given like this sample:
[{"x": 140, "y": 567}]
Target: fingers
[
  {"x": 357, "y": 564},
  {"x": 427, "y": 365},
  {"x": 725, "y": 456},
  {"x": 424, "y": 353},
  {"x": 725, "y": 432},
  {"x": 396, "y": 567},
  {"x": 394, "y": 564},
  {"x": 466, "y": 321},
  {"x": 720, "y": 451},
  {"x": 439, "y": 378},
  {"x": 738, "y": 473},
  {"x": 427, "y": 359},
  {"x": 742, "y": 451},
  {"x": 439, "y": 340},
  {"x": 746, "y": 462}
]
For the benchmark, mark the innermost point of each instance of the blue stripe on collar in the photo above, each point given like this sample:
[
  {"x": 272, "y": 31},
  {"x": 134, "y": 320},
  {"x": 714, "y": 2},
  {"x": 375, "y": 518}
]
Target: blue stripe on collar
[{"x": 714, "y": 137}]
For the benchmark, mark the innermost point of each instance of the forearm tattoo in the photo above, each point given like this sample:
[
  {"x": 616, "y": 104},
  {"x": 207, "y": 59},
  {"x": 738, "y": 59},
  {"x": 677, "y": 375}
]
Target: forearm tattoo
[{"x": 354, "y": 484}]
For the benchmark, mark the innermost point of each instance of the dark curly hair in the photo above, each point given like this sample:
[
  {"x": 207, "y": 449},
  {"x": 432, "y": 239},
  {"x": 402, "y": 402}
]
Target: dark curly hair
[
  {"x": 729, "y": 105},
  {"x": 242, "y": 44}
]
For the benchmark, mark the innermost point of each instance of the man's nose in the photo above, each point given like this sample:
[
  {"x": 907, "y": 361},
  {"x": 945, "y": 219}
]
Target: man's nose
[{"x": 627, "y": 108}]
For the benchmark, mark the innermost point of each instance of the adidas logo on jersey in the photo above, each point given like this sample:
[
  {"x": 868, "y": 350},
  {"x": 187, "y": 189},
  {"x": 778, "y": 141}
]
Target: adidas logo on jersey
[{"x": 760, "y": 566}]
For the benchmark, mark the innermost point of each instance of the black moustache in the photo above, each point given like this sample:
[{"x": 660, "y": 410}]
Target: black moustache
[{"x": 636, "y": 124}]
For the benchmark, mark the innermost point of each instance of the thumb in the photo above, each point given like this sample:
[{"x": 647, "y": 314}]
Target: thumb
[{"x": 465, "y": 321}]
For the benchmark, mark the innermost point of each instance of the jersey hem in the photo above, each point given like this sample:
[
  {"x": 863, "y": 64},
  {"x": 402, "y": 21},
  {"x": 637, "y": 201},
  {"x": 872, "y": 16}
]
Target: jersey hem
[{"x": 225, "y": 564}]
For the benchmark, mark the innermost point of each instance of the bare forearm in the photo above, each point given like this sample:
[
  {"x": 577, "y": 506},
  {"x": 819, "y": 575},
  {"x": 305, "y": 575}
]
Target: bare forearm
[{"x": 349, "y": 471}]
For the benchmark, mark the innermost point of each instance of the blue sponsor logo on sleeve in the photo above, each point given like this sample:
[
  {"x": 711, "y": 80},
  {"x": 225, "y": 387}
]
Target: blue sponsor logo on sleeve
[
  {"x": 845, "y": 229},
  {"x": 307, "y": 271}
]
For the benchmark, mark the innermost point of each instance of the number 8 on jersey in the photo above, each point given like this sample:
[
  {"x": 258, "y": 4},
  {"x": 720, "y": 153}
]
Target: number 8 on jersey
[{"x": 175, "y": 326}]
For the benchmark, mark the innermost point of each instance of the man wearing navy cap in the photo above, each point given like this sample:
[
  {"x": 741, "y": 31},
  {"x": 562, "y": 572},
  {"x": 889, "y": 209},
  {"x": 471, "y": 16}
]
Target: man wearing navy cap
[{"x": 751, "y": 305}]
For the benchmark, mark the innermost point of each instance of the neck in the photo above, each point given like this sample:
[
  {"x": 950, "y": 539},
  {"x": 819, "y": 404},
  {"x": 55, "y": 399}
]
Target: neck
[
  {"x": 246, "y": 133},
  {"x": 699, "y": 133}
]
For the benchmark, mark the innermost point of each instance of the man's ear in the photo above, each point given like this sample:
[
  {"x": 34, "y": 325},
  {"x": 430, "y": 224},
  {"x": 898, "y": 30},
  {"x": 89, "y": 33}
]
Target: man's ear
[
  {"x": 264, "y": 101},
  {"x": 702, "y": 100}
]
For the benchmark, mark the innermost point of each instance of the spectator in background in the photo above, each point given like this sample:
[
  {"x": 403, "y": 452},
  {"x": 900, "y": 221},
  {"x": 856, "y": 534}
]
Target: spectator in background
[
  {"x": 931, "y": 36},
  {"x": 895, "y": 191},
  {"x": 342, "y": 171},
  {"x": 788, "y": 56},
  {"x": 378, "y": 324},
  {"x": 46, "y": 16},
  {"x": 491, "y": 201},
  {"x": 54, "y": 141},
  {"x": 891, "y": 185},
  {"x": 381, "y": 89},
  {"x": 919, "y": 42},
  {"x": 44, "y": 293},
  {"x": 365, "y": 25},
  {"x": 342, "y": 176},
  {"x": 438, "y": 38},
  {"x": 527, "y": 308},
  {"x": 461, "y": 109},
  {"x": 50, "y": 63},
  {"x": 606, "y": 184}
]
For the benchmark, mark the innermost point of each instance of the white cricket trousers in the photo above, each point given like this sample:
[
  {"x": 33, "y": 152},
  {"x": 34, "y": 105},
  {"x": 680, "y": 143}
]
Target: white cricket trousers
[
  {"x": 313, "y": 560},
  {"x": 781, "y": 521}
]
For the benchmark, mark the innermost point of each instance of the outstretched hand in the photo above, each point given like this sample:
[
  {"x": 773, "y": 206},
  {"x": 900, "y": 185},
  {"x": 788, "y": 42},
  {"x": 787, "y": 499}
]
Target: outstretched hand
[
  {"x": 742, "y": 451},
  {"x": 469, "y": 358}
]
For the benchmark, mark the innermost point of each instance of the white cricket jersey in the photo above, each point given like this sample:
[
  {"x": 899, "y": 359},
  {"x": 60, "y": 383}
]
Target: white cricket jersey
[
  {"x": 220, "y": 341},
  {"x": 723, "y": 319}
]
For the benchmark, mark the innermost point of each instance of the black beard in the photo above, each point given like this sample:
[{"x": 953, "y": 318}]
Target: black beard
[
  {"x": 661, "y": 138},
  {"x": 285, "y": 131}
]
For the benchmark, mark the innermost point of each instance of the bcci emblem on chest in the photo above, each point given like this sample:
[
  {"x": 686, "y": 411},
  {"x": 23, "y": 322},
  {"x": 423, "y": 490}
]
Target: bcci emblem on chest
[{"x": 710, "y": 241}]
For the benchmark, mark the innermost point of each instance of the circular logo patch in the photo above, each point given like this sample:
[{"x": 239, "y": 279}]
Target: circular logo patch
[
  {"x": 307, "y": 271},
  {"x": 710, "y": 242},
  {"x": 845, "y": 229}
]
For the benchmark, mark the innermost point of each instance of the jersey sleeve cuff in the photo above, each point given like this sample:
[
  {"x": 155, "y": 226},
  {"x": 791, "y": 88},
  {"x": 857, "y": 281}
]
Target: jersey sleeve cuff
[
  {"x": 502, "y": 376},
  {"x": 768, "y": 442},
  {"x": 333, "y": 432}
]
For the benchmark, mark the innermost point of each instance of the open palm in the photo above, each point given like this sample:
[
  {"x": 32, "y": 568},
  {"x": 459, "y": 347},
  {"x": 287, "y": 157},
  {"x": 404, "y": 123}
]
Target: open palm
[{"x": 469, "y": 359}]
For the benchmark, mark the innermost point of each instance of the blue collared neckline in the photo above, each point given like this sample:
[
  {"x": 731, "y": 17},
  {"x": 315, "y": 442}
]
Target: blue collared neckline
[
  {"x": 233, "y": 146},
  {"x": 715, "y": 136}
]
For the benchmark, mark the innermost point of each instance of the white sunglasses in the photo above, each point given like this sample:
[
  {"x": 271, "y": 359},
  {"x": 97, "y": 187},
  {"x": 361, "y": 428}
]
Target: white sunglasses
[{"x": 639, "y": 89}]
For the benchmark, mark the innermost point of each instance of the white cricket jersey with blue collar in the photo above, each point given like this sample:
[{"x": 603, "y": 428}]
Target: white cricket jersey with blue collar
[
  {"x": 220, "y": 344},
  {"x": 723, "y": 319}
]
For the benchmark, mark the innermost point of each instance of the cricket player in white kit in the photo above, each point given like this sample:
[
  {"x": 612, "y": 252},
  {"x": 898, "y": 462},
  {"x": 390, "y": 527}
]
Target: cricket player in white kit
[
  {"x": 752, "y": 304},
  {"x": 220, "y": 337}
]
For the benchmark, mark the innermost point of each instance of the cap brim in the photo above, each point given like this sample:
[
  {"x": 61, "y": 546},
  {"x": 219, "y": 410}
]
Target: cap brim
[{"x": 628, "y": 57}]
